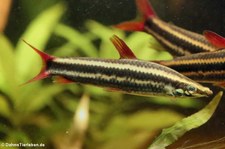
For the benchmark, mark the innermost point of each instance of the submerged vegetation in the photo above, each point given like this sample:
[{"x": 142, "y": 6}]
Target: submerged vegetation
[{"x": 73, "y": 115}]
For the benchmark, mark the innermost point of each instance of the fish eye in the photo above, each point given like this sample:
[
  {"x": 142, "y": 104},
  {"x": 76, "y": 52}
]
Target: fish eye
[
  {"x": 191, "y": 89},
  {"x": 179, "y": 92}
]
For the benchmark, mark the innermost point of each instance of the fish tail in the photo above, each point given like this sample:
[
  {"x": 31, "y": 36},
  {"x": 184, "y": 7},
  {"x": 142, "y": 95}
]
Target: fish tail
[
  {"x": 145, "y": 8},
  {"x": 45, "y": 59},
  {"x": 146, "y": 11}
]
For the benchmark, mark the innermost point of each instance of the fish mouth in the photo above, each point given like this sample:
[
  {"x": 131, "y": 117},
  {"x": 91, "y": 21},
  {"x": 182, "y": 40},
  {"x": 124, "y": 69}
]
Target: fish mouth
[
  {"x": 205, "y": 93},
  {"x": 209, "y": 92}
]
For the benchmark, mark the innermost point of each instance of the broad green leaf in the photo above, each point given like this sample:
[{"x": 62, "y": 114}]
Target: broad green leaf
[
  {"x": 7, "y": 64},
  {"x": 37, "y": 34},
  {"x": 41, "y": 98},
  {"x": 144, "y": 48},
  {"x": 143, "y": 120},
  {"x": 107, "y": 50},
  {"x": 171, "y": 134},
  {"x": 66, "y": 50},
  {"x": 77, "y": 38},
  {"x": 4, "y": 107},
  {"x": 101, "y": 31}
]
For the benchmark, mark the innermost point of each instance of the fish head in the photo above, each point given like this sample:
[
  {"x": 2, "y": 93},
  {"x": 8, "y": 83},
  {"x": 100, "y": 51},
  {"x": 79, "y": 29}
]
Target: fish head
[{"x": 192, "y": 90}]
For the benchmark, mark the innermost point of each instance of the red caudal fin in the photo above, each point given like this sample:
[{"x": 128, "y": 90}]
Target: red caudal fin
[
  {"x": 145, "y": 8},
  {"x": 45, "y": 58},
  {"x": 122, "y": 48},
  {"x": 215, "y": 39},
  {"x": 146, "y": 11}
]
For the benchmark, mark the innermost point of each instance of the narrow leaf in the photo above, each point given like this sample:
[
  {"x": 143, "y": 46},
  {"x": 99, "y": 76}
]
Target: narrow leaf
[
  {"x": 77, "y": 39},
  {"x": 170, "y": 135}
]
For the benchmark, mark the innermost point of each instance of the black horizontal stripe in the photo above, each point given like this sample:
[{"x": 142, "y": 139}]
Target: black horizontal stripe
[
  {"x": 183, "y": 44},
  {"x": 128, "y": 84},
  {"x": 193, "y": 36},
  {"x": 198, "y": 67},
  {"x": 203, "y": 56},
  {"x": 137, "y": 63},
  {"x": 204, "y": 77},
  {"x": 204, "y": 67},
  {"x": 209, "y": 61}
]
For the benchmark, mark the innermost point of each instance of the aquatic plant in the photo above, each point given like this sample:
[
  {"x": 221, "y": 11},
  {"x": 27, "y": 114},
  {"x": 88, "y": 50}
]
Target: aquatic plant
[{"x": 43, "y": 112}]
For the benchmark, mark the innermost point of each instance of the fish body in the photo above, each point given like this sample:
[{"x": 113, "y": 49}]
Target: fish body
[
  {"x": 176, "y": 40},
  {"x": 130, "y": 76},
  {"x": 202, "y": 67},
  {"x": 207, "y": 67}
]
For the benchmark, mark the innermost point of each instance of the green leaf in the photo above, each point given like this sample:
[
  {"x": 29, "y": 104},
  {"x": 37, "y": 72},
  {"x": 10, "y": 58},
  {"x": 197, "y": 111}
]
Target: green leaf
[
  {"x": 107, "y": 50},
  {"x": 77, "y": 39},
  {"x": 170, "y": 135},
  {"x": 41, "y": 98},
  {"x": 65, "y": 50},
  {"x": 152, "y": 121},
  {"x": 37, "y": 33},
  {"x": 101, "y": 31},
  {"x": 7, "y": 64},
  {"x": 143, "y": 48},
  {"x": 136, "y": 128},
  {"x": 4, "y": 107}
]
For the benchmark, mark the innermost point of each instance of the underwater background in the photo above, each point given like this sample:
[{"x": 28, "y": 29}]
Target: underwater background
[{"x": 49, "y": 113}]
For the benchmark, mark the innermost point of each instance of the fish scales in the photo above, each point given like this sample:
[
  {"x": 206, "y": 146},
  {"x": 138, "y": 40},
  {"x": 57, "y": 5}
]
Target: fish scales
[
  {"x": 177, "y": 40},
  {"x": 202, "y": 67},
  {"x": 129, "y": 75}
]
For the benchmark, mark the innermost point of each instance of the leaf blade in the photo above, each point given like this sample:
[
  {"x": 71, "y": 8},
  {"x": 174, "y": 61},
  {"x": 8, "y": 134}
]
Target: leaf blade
[{"x": 171, "y": 134}]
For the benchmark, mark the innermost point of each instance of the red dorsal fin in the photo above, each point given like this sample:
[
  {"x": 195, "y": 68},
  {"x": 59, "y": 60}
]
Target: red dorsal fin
[
  {"x": 45, "y": 58},
  {"x": 215, "y": 39},
  {"x": 122, "y": 48},
  {"x": 145, "y": 8}
]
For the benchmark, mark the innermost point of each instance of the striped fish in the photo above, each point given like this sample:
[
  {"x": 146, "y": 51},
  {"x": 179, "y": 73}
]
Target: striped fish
[
  {"x": 176, "y": 40},
  {"x": 130, "y": 76},
  {"x": 208, "y": 67},
  {"x": 205, "y": 67}
]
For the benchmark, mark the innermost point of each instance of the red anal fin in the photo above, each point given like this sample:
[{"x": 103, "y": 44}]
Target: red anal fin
[
  {"x": 145, "y": 8},
  {"x": 131, "y": 26},
  {"x": 62, "y": 80},
  {"x": 122, "y": 48},
  {"x": 45, "y": 58},
  {"x": 215, "y": 39}
]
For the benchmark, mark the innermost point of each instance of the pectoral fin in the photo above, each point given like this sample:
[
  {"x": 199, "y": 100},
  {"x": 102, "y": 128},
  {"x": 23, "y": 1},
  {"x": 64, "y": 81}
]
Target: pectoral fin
[{"x": 61, "y": 80}]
